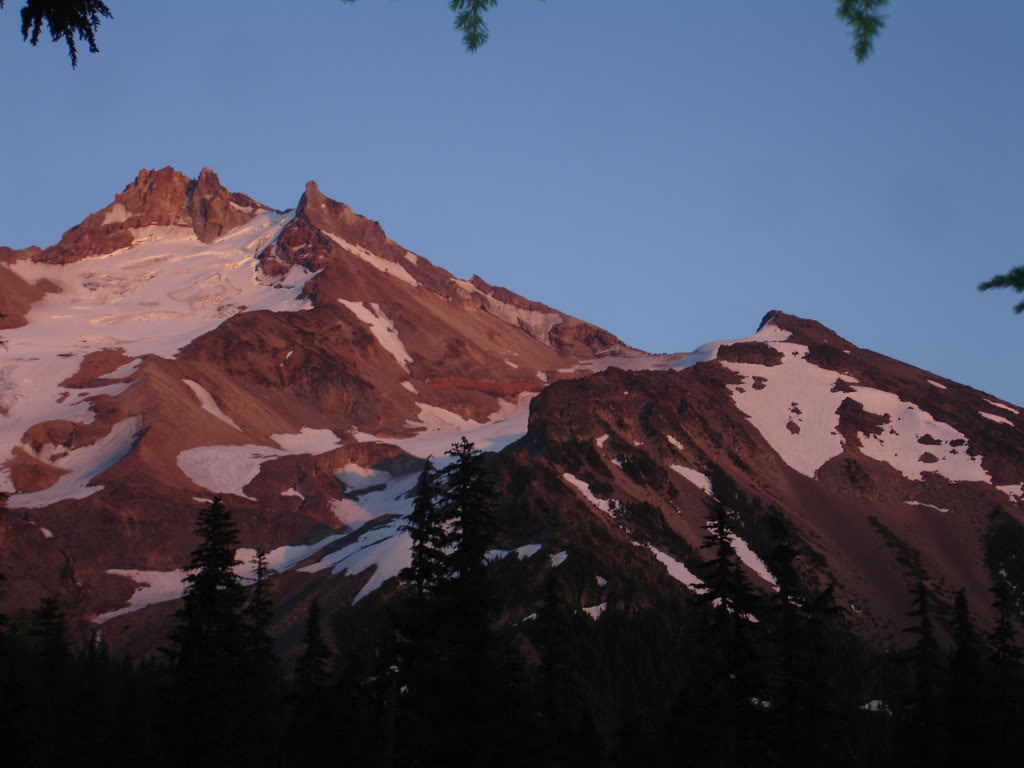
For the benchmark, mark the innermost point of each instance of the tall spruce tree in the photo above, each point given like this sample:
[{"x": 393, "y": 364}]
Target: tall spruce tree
[
  {"x": 964, "y": 698},
  {"x": 468, "y": 505},
  {"x": 259, "y": 611},
  {"x": 1005, "y": 708},
  {"x": 311, "y": 670},
  {"x": 920, "y": 732},
  {"x": 426, "y": 528},
  {"x": 720, "y": 712},
  {"x": 210, "y": 644}
]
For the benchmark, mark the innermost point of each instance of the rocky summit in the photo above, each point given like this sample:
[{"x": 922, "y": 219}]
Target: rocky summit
[{"x": 186, "y": 341}]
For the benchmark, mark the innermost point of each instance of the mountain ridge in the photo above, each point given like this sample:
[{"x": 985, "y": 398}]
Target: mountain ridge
[{"x": 185, "y": 341}]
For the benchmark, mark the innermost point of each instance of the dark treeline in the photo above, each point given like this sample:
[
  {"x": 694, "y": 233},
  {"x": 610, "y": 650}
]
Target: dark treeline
[{"x": 729, "y": 678}]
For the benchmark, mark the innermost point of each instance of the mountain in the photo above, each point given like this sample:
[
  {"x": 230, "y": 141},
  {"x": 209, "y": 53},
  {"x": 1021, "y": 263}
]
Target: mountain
[{"x": 186, "y": 341}]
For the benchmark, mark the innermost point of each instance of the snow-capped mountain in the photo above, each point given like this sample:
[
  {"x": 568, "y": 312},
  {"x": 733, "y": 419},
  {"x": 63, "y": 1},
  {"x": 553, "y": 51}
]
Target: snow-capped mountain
[{"x": 185, "y": 341}]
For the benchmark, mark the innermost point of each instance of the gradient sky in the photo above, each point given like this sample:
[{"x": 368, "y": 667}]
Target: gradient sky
[{"x": 667, "y": 169}]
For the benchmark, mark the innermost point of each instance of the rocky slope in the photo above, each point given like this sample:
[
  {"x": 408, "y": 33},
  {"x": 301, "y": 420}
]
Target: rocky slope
[{"x": 186, "y": 341}]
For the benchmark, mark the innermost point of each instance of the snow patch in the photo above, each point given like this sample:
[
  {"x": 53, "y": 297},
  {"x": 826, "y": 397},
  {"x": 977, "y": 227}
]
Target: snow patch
[
  {"x": 595, "y": 611},
  {"x": 925, "y": 504},
  {"x": 293, "y": 492},
  {"x": 536, "y": 323},
  {"x": 997, "y": 419},
  {"x": 524, "y": 552},
  {"x": 153, "y": 587},
  {"x": 1015, "y": 492},
  {"x": 382, "y": 328},
  {"x": 409, "y": 386},
  {"x": 584, "y": 490},
  {"x": 699, "y": 479},
  {"x": 81, "y": 466},
  {"x": 357, "y": 478},
  {"x": 440, "y": 428},
  {"x": 676, "y": 569},
  {"x": 706, "y": 352},
  {"x": 226, "y": 468},
  {"x": 308, "y": 440},
  {"x": 208, "y": 404},
  {"x": 750, "y": 559},
  {"x": 937, "y": 384},
  {"x": 675, "y": 443},
  {"x": 1004, "y": 406},
  {"x": 117, "y": 214},
  {"x": 375, "y": 261},
  {"x": 601, "y": 581},
  {"x": 558, "y": 558},
  {"x": 601, "y": 440},
  {"x": 799, "y": 393}
]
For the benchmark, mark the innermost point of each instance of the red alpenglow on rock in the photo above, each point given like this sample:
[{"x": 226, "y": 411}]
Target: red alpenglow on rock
[{"x": 187, "y": 341}]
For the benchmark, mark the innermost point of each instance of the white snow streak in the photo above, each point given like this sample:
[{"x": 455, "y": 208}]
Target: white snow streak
[
  {"x": 997, "y": 419},
  {"x": 208, "y": 404},
  {"x": 584, "y": 490},
  {"x": 699, "y": 479},
  {"x": 375, "y": 261},
  {"x": 382, "y": 328}
]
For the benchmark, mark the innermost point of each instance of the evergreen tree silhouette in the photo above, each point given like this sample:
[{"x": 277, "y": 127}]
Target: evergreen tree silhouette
[
  {"x": 965, "y": 688},
  {"x": 920, "y": 732},
  {"x": 258, "y": 614},
  {"x": 426, "y": 528},
  {"x": 210, "y": 644},
  {"x": 1005, "y": 708},
  {"x": 311, "y": 671},
  {"x": 719, "y": 716},
  {"x": 569, "y": 729}
]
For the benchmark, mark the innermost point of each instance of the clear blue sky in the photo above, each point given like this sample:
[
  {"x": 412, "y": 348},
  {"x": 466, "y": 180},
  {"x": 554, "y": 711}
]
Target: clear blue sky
[{"x": 667, "y": 169}]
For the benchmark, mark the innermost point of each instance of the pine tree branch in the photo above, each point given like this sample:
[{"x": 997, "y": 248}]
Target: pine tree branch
[
  {"x": 1013, "y": 279},
  {"x": 865, "y": 20},
  {"x": 63, "y": 19}
]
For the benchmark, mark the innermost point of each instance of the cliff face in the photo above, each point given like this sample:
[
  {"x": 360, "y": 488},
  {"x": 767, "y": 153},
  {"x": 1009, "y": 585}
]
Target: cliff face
[{"x": 187, "y": 341}]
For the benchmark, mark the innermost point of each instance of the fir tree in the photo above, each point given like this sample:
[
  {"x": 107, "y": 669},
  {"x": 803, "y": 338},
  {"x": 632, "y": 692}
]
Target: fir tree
[
  {"x": 468, "y": 508},
  {"x": 568, "y": 726},
  {"x": 920, "y": 730},
  {"x": 258, "y": 614},
  {"x": 966, "y": 685},
  {"x": 426, "y": 528},
  {"x": 720, "y": 711},
  {"x": 210, "y": 644},
  {"x": 311, "y": 672},
  {"x": 1005, "y": 708}
]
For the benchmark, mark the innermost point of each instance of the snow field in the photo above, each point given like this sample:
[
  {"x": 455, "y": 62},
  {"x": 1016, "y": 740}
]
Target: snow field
[
  {"x": 798, "y": 393},
  {"x": 153, "y": 297}
]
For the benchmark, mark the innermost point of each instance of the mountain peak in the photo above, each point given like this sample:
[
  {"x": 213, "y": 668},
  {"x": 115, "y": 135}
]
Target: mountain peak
[{"x": 163, "y": 197}]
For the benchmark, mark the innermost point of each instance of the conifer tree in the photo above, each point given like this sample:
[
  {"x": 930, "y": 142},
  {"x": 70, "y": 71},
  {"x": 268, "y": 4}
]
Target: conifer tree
[
  {"x": 568, "y": 726},
  {"x": 468, "y": 508},
  {"x": 1005, "y": 708},
  {"x": 427, "y": 530},
  {"x": 258, "y": 614},
  {"x": 311, "y": 672},
  {"x": 210, "y": 644},
  {"x": 720, "y": 711},
  {"x": 920, "y": 731},
  {"x": 210, "y": 628},
  {"x": 966, "y": 684}
]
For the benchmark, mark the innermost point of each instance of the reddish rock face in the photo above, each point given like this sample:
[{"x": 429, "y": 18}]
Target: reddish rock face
[{"x": 302, "y": 364}]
